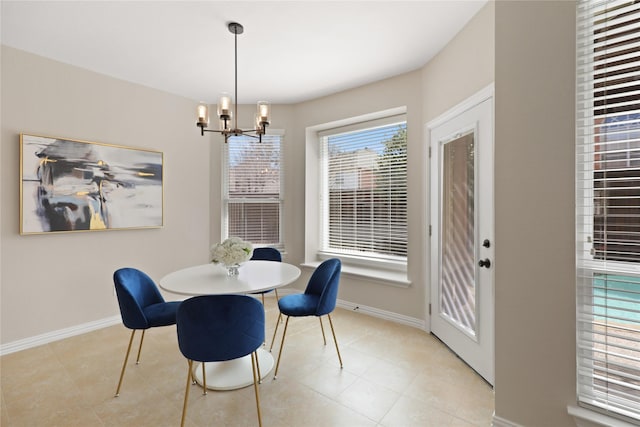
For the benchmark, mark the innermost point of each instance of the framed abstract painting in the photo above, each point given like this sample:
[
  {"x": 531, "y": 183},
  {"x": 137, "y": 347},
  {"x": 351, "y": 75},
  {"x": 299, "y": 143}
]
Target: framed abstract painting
[{"x": 68, "y": 185}]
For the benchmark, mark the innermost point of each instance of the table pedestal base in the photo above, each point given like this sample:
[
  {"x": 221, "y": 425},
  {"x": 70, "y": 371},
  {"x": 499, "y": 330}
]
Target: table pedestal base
[{"x": 233, "y": 374}]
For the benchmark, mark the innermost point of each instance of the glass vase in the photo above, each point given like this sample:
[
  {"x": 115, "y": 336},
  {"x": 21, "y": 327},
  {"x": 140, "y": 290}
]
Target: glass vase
[{"x": 232, "y": 270}]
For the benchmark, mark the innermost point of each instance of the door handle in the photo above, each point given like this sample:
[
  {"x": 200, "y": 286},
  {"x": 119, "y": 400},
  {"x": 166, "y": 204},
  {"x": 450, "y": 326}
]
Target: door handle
[{"x": 485, "y": 263}]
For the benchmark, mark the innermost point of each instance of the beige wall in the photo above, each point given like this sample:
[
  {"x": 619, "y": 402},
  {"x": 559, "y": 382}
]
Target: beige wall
[
  {"x": 534, "y": 205},
  {"x": 463, "y": 68},
  {"x": 53, "y": 282}
]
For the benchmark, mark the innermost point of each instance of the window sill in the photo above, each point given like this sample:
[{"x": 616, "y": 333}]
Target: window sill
[
  {"x": 386, "y": 277},
  {"x": 587, "y": 418}
]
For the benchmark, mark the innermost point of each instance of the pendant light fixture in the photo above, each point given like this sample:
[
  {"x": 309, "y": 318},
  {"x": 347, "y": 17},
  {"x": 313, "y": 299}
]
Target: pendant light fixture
[{"x": 229, "y": 126}]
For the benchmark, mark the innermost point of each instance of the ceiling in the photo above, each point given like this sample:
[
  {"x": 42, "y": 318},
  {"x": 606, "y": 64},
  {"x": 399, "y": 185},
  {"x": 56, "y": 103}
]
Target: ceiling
[{"x": 290, "y": 51}]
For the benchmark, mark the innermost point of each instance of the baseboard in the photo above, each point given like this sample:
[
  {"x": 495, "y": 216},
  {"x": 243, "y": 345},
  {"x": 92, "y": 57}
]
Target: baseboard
[
  {"x": 38, "y": 340},
  {"x": 60, "y": 334},
  {"x": 370, "y": 311},
  {"x": 382, "y": 314},
  {"x": 501, "y": 422}
]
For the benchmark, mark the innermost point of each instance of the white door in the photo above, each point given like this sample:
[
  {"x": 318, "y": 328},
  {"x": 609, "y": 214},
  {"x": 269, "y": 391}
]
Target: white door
[{"x": 461, "y": 227}]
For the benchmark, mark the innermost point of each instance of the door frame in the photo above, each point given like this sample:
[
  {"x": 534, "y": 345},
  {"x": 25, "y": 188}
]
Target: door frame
[{"x": 479, "y": 97}]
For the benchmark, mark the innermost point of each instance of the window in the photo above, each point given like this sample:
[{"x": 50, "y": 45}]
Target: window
[
  {"x": 252, "y": 189},
  {"x": 363, "y": 170},
  {"x": 608, "y": 207}
]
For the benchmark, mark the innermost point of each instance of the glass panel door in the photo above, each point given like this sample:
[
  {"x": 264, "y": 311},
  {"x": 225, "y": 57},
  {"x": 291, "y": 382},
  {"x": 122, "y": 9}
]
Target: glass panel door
[
  {"x": 461, "y": 231},
  {"x": 458, "y": 285}
]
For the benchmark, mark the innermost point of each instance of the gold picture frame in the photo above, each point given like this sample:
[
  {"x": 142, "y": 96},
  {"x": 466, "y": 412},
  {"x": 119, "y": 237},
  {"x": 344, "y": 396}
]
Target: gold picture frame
[{"x": 69, "y": 185}]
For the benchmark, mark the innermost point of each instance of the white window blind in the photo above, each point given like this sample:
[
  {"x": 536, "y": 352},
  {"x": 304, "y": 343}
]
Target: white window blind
[
  {"x": 364, "y": 190},
  {"x": 608, "y": 207},
  {"x": 253, "y": 196}
]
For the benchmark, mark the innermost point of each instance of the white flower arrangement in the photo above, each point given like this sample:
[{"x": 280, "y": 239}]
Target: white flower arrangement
[{"x": 232, "y": 251}]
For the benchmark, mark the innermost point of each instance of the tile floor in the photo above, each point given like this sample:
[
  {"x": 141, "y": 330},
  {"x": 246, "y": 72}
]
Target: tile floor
[{"x": 394, "y": 375}]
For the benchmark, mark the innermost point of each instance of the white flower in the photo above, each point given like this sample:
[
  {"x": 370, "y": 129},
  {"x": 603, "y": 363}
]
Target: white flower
[{"x": 232, "y": 251}]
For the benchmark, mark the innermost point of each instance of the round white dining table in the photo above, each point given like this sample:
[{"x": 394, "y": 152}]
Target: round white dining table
[{"x": 212, "y": 279}]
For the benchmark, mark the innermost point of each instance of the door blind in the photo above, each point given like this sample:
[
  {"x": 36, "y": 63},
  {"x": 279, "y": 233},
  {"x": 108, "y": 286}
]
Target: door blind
[
  {"x": 253, "y": 177},
  {"x": 608, "y": 206}
]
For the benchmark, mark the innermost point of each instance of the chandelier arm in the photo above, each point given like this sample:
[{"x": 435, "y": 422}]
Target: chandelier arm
[
  {"x": 248, "y": 132},
  {"x": 236, "y": 132},
  {"x": 203, "y": 130}
]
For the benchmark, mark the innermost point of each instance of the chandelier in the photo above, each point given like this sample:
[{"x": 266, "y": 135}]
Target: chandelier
[{"x": 225, "y": 113}]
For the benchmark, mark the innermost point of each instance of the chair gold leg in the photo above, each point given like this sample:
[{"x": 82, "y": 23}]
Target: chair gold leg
[
  {"x": 254, "y": 365},
  {"x": 124, "y": 365},
  {"x": 324, "y": 338},
  {"x": 186, "y": 393},
  {"x": 275, "y": 332},
  {"x": 286, "y": 323},
  {"x": 264, "y": 343},
  {"x": 258, "y": 366},
  {"x": 335, "y": 340},
  {"x": 140, "y": 348},
  {"x": 204, "y": 380},
  {"x": 277, "y": 299}
]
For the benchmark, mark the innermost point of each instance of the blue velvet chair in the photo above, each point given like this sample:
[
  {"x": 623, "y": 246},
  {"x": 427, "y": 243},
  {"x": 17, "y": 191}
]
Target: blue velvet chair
[
  {"x": 267, "y": 254},
  {"x": 215, "y": 328},
  {"x": 141, "y": 307},
  {"x": 318, "y": 299}
]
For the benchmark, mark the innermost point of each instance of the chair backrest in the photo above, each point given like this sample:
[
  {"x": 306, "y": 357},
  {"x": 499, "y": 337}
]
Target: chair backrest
[
  {"x": 214, "y": 328},
  {"x": 266, "y": 254},
  {"x": 324, "y": 283},
  {"x": 135, "y": 291}
]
